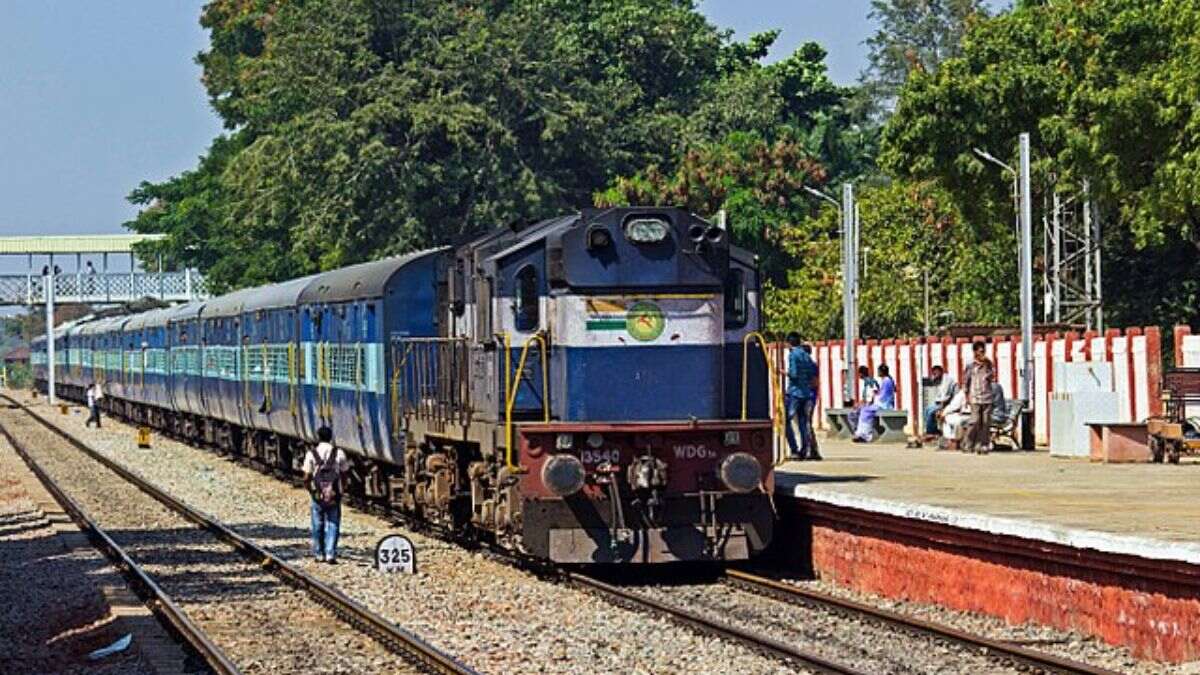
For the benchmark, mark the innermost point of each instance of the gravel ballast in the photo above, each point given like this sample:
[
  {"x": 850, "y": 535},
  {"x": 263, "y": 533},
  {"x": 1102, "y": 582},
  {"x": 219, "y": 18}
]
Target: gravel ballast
[
  {"x": 493, "y": 616},
  {"x": 52, "y": 615},
  {"x": 262, "y": 624}
]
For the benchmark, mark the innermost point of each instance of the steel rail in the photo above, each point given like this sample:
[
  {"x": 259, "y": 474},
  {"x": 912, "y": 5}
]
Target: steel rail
[
  {"x": 760, "y": 643},
  {"x": 356, "y": 614},
  {"x": 151, "y": 593},
  {"x": 994, "y": 648}
]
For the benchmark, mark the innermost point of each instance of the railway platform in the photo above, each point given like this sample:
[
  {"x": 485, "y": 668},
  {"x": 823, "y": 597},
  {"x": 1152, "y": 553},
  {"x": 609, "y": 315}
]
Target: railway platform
[{"x": 1108, "y": 550}]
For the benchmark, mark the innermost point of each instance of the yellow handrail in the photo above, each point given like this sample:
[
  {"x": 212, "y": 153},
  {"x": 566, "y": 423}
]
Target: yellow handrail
[
  {"x": 510, "y": 392},
  {"x": 780, "y": 418}
]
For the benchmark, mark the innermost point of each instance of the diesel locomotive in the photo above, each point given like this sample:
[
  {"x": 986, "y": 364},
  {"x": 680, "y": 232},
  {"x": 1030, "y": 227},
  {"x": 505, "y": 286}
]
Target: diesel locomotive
[{"x": 585, "y": 389}]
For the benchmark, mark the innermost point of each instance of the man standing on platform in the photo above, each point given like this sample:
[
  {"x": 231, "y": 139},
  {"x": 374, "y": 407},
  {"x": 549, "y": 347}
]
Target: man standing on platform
[
  {"x": 800, "y": 399},
  {"x": 977, "y": 382}
]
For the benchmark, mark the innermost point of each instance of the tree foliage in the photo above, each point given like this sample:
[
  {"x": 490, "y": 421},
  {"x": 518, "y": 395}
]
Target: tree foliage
[
  {"x": 913, "y": 36},
  {"x": 1108, "y": 90},
  {"x": 368, "y": 127}
]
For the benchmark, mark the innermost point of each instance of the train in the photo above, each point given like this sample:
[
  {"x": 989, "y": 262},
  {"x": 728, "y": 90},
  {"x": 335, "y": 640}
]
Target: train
[{"x": 585, "y": 389}]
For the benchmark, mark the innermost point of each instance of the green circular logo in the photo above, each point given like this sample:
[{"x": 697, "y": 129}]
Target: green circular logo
[{"x": 645, "y": 321}]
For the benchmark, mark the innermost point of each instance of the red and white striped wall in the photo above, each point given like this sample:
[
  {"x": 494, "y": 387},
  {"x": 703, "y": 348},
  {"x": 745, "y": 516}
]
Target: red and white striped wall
[
  {"x": 1136, "y": 355},
  {"x": 1187, "y": 348}
]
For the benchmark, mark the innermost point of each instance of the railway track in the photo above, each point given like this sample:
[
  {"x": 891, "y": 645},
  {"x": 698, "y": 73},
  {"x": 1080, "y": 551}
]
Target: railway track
[
  {"x": 331, "y": 619},
  {"x": 1000, "y": 651},
  {"x": 1008, "y": 656},
  {"x": 961, "y": 649},
  {"x": 766, "y": 645}
]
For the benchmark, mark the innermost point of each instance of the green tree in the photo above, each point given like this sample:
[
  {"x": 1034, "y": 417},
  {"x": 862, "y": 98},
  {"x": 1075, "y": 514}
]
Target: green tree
[
  {"x": 913, "y": 36},
  {"x": 1108, "y": 91},
  {"x": 908, "y": 230}
]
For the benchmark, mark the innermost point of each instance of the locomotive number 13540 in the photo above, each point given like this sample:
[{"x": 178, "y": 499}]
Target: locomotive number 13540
[{"x": 612, "y": 456}]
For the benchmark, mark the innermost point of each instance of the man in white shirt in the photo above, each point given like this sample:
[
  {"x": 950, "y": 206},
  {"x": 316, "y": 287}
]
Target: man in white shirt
[
  {"x": 944, "y": 390},
  {"x": 954, "y": 418},
  {"x": 324, "y": 466},
  {"x": 94, "y": 395}
]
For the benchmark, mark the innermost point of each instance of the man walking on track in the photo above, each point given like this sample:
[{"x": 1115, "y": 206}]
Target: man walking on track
[
  {"x": 323, "y": 469},
  {"x": 94, "y": 395},
  {"x": 800, "y": 399},
  {"x": 977, "y": 383}
]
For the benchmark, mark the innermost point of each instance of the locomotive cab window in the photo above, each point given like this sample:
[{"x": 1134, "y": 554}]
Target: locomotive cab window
[
  {"x": 527, "y": 308},
  {"x": 735, "y": 299}
]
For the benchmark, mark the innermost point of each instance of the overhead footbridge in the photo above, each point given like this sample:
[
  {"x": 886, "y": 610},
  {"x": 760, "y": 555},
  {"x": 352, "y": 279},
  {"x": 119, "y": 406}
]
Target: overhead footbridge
[{"x": 94, "y": 269}]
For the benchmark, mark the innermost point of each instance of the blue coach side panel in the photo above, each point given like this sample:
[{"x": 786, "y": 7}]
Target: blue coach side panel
[
  {"x": 348, "y": 316},
  {"x": 183, "y": 340},
  {"x": 272, "y": 356},
  {"x": 225, "y": 396}
]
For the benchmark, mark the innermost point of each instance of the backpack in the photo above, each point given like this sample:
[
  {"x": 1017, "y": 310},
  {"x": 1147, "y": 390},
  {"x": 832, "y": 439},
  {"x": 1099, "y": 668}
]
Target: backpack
[{"x": 325, "y": 488}]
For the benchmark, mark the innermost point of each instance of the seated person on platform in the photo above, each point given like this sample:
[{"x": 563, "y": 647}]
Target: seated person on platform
[
  {"x": 999, "y": 404},
  {"x": 944, "y": 390},
  {"x": 954, "y": 418},
  {"x": 867, "y": 388},
  {"x": 885, "y": 399}
]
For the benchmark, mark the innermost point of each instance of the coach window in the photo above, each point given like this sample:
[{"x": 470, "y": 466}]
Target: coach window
[
  {"x": 735, "y": 299},
  {"x": 527, "y": 307}
]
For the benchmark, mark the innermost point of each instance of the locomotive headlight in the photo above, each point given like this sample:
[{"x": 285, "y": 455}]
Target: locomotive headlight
[
  {"x": 563, "y": 475},
  {"x": 598, "y": 238},
  {"x": 564, "y": 441},
  {"x": 594, "y": 441},
  {"x": 741, "y": 472},
  {"x": 646, "y": 230}
]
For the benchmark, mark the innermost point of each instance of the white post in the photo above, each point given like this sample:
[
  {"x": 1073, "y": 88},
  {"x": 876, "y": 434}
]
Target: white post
[
  {"x": 50, "y": 362},
  {"x": 849, "y": 280},
  {"x": 926, "y": 303},
  {"x": 1056, "y": 259},
  {"x": 1027, "y": 373},
  {"x": 1098, "y": 278}
]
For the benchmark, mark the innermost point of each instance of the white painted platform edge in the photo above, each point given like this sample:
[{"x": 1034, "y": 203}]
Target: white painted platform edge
[{"x": 1142, "y": 547}]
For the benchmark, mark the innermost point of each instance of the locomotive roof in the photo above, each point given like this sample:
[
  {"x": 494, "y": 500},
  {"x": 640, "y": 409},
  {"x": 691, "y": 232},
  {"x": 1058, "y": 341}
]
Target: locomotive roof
[{"x": 365, "y": 280}]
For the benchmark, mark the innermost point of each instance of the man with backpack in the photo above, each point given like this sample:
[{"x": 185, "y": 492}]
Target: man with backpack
[{"x": 323, "y": 469}]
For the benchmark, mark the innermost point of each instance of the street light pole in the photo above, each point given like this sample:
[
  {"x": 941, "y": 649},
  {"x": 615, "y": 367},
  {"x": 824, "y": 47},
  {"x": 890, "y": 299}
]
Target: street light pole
[
  {"x": 1025, "y": 221},
  {"x": 48, "y": 290},
  {"x": 850, "y": 288},
  {"x": 1026, "y": 295},
  {"x": 848, "y": 232}
]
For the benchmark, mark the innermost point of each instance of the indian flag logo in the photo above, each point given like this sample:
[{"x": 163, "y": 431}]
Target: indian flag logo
[{"x": 643, "y": 320}]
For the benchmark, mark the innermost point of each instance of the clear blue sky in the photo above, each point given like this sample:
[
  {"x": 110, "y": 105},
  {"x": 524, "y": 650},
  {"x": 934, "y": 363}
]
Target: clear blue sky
[{"x": 98, "y": 96}]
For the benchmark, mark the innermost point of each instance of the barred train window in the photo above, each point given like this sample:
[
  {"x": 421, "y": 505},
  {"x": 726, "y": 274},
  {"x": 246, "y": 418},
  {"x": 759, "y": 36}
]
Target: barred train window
[{"x": 527, "y": 308}]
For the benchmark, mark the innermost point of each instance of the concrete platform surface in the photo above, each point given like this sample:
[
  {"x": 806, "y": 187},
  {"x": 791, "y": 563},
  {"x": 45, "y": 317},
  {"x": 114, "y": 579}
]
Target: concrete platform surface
[{"x": 1146, "y": 510}]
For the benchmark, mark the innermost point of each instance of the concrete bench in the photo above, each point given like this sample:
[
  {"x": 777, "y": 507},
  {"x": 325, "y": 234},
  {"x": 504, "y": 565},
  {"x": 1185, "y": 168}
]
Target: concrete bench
[
  {"x": 1120, "y": 442},
  {"x": 838, "y": 423},
  {"x": 889, "y": 426}
]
